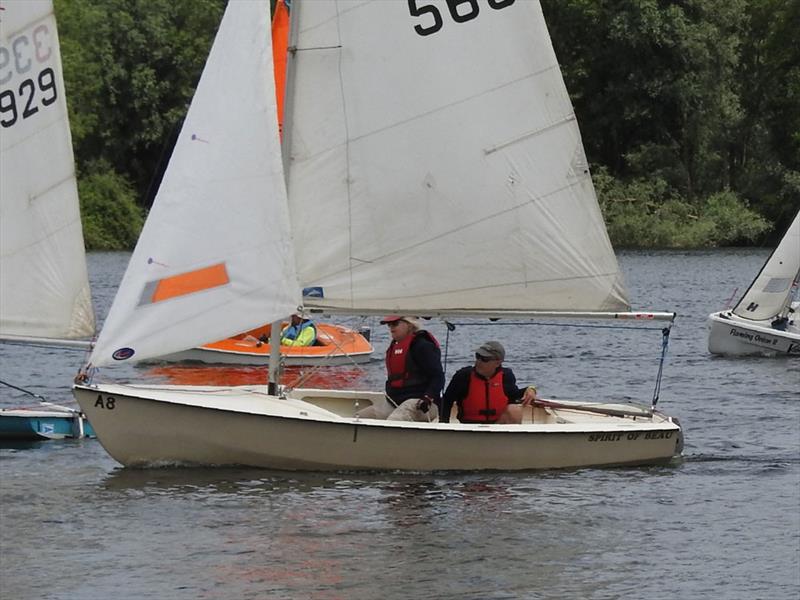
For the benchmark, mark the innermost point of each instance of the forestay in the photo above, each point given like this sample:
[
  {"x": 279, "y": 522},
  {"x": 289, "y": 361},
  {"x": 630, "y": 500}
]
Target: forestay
[
  {"x": 436, "y": 164},
  {"x": 45, "y": 287},
  {"x": 215, "y": 255},
  {"x": 769, "y": 294}
]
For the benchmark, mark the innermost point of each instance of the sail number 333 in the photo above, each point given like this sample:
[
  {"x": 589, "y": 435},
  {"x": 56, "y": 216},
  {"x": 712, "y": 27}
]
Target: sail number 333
[
  {"x": 19, "y": 60},
  {"x": 460, "y": 11}
]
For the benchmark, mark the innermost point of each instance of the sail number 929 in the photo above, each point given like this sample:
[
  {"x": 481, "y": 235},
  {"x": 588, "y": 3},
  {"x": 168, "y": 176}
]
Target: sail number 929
[
  {"x": 109, "y": 402},
  {"x": 25, "y": 102},
  {"x": 461, "y": 11}
]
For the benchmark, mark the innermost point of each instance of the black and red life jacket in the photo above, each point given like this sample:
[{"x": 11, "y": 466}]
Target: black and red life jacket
[
  {"x": 401, "y": 369},
  {"x": 486, "y": 399}
]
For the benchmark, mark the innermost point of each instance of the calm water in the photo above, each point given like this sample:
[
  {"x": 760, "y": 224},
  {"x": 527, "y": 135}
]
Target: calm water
[{"x": 723, "y": 523}]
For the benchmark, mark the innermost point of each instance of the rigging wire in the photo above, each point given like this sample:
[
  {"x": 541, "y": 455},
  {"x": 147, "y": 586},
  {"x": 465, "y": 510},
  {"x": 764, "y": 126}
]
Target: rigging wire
[
  {"x": 664, "y": 346},
  {"x": 306, "y": 374},
  {"x": 23, "y": 390}
]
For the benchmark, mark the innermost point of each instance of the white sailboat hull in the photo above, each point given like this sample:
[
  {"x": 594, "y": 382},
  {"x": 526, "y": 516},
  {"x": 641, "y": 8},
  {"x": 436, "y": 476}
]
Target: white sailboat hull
[
  {"x": 733, "y": 336},
  {"x": 747, "y": 328},
  {"x": 316, "y": 430}
]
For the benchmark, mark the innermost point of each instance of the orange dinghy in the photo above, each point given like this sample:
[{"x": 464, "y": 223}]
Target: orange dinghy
[{"x": 335, "y": 345}]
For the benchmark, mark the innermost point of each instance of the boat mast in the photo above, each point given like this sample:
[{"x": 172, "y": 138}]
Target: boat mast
[
  {"x": 273, "y": 378},
  {"x": 288, "y": 96},
  {"x": 285, "y": 131}
]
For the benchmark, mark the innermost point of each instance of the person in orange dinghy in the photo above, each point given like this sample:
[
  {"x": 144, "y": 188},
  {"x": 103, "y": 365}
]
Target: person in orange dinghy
[{"x": 299, "y": 332}]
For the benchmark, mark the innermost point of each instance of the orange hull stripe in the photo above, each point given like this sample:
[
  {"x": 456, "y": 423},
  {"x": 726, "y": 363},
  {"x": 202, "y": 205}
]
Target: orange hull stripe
[{"x": 188, "y": 283}]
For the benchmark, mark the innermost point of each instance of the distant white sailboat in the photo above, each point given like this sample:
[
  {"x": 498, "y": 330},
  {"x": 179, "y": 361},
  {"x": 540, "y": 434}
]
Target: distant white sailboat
[
  {"x": 765, "y": 321},
  {"x": 433, "y": 166},
  {"x": 44, "y": 294}
]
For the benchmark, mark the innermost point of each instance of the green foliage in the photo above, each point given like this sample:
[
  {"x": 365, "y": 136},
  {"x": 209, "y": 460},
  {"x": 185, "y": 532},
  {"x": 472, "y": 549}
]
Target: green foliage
[
  {"x": 690, "y": 107},
  {"x": 765, "y": 150},
  {"x": 734, "y": 222},
  {"x": 646, "y": 214},
  {"x": 111, "y": 218},
  {"x": 130, "y": 68},
  {"x": 652, "y": 84}
]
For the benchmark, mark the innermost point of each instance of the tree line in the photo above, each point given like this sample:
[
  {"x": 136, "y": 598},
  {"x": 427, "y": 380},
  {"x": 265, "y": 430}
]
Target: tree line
[{"x": 689, "y": 110}]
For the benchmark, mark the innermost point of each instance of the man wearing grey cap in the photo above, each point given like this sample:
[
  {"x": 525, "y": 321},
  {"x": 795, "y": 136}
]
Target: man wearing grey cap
[{"x": 486, "y": 392}]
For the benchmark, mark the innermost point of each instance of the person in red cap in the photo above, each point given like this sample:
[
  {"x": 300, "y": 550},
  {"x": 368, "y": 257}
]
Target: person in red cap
[
  {"x": 486, "y": 392},
  {"x": 415, "y": 377}
]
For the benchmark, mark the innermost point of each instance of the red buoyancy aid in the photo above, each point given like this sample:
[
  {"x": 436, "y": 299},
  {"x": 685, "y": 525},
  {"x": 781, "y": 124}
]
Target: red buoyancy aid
[
  {"x": 486, "y": 399},
  {"x": 399, "y": 365}
]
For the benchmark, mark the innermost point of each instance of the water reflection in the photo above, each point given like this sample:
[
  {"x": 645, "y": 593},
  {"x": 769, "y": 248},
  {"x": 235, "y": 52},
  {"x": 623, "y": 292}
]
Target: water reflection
[
  {"x": 339, "y": 377},
  {"x": 228, "y": 480}
]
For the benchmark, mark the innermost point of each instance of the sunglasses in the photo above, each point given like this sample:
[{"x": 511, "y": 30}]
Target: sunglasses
[
  {"x": 483, "y": 358},
  {"x": 392, "y": 323}
]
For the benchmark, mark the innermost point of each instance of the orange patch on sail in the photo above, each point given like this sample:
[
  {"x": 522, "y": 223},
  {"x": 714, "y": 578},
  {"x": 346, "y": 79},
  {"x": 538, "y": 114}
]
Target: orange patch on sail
[{"x": 188, "y": 283}]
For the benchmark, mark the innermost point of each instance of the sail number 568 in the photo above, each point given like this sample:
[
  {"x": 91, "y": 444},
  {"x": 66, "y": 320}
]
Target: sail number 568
[{"x": 461, "y": 11}]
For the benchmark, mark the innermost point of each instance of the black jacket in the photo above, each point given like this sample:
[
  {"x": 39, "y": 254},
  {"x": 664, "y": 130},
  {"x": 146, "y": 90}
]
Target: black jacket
[{"x": 425, "y": 365}]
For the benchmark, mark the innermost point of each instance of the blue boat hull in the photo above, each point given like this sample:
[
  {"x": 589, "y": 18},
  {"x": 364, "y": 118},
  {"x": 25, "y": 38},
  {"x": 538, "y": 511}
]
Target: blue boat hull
[{"x": 42, "y": 425}]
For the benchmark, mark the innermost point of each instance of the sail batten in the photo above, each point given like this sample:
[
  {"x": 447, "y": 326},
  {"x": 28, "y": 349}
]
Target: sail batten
[{"x": 529, "y": 134}]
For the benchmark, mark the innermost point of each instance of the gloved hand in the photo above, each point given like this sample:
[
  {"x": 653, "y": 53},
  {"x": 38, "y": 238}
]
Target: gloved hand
[{"x": 424, "y": 404}]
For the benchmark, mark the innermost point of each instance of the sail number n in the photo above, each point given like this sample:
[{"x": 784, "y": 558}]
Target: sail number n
[
  {"x": 24, "y": 54},
  {"x": 109, "y": 402},
  {"x": 461, "y": 11}
]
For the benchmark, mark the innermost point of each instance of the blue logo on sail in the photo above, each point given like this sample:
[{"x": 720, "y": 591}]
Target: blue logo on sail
[
  {"x": 313, "y": 292},
  {"x": 123, "y": 354}
]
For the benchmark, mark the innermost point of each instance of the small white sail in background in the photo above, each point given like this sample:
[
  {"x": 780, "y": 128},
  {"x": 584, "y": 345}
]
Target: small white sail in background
[{"x": 771, "y": 290}]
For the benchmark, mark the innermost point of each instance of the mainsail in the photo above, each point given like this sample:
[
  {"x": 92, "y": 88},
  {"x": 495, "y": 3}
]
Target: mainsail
[
  {"x": 45, "y": 285},
  {"x": 436, "y": 163}
]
